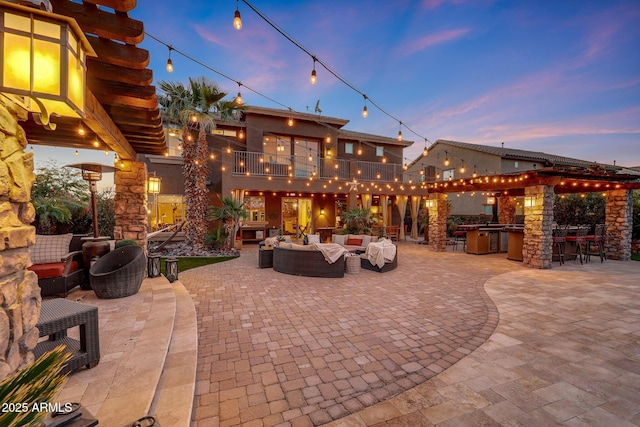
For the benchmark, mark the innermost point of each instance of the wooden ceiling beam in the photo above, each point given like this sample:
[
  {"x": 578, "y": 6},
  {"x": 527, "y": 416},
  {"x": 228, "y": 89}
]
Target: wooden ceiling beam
[
  {"x": 118, "y": 73},
  {"x": 118, "y": 54},
  {"x": 132, "y": 121},
  {"x": 102, "y": 23},
  {"x": 99, "y": 122},
  {"x": 117, "y": 5}
]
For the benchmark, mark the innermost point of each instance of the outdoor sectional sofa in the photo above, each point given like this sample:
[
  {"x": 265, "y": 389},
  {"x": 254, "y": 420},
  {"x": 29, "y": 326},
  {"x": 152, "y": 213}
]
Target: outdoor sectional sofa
[{"x": 304, "y": 261}]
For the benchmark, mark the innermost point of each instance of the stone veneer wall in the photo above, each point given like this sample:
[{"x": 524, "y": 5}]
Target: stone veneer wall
[
  {"x": 131, "y": 202},
  {"x": 506, "y": 210},
  {"x": 438, "y": 222},
  {"x": 537, "y": 248},
  {"x": 619, "y": 220},
  {"x": 19, "y": 291}
]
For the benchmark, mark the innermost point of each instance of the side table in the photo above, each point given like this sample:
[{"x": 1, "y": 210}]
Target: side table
[
  {"x": 265, "y": 257},
  {"x": 352, "y": 265},
  {"x": 58, "y": 315}
]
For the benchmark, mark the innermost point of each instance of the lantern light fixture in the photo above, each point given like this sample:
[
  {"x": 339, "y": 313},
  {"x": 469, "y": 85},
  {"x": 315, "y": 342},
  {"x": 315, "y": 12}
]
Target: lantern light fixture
[{"x": 43, "y": 62}]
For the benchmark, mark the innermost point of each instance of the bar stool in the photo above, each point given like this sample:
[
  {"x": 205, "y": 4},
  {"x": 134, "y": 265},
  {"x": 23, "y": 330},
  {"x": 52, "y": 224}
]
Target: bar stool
[
  {"x": 559, "y": 240},
  {"x": 597, "y": 238},
  {"x": 460, "y": 236},
  {"x": 580, "y": 239}
]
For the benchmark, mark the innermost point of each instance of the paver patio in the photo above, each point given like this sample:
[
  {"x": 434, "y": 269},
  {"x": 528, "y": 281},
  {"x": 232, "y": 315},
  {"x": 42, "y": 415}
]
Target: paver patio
[{"x": 286, "y": 350}]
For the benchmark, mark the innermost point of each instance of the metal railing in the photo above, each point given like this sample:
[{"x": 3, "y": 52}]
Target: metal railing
[
  {"x": 374, "y": 171},
  {"x": 261, "y": 164}
]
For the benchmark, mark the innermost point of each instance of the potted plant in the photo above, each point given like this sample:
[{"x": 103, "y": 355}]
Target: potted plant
[{"x": 357, "y": 221}]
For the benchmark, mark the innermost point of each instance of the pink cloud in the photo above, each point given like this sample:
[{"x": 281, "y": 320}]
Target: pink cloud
[{"x": 434, "y": 39}]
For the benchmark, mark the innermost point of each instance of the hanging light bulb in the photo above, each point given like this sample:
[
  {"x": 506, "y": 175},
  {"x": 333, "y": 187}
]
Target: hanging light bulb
[
  {"x": 169, "y": 62},
  {"x": 359, "y": 150},
  {"x": 310, "y": 157},
  {"x": 474, "y": 171},
  {"x": 313, "y": 72},
  {"x": 462, "y": 168},
  {"x": 290, "y": 122},
  {"x": 228, "y": 149},
  {"x": 239, "y": 97},
  {"x": 446, "y": 158},
  {"x": 76, "y": 153},
  {"x": 365, "y": 111},
  {"x": 405, "y": 166},
  {"x": 194, "y": 118},
  {"x": 425, "y": 151},
  {"x": 328, "y": 139},
  {"x": 81, "y": 130},
  {"x": 241, "y": 134},
  {"x": 237, "y": 22},
  {"x": 106, "y": 153},
  {"x": 400, "y": 132}
]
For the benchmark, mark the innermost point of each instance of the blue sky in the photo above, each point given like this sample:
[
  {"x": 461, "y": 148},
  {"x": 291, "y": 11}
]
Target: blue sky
[{"x": 561, "y": 77}]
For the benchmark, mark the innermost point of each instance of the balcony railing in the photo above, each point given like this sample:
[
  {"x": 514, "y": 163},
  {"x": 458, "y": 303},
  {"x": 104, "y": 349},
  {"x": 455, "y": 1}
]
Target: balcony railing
[{"x": 261, "y": 164}]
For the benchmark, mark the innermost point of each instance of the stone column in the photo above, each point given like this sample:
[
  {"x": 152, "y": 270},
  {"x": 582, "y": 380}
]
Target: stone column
[
  {"x": 131, "y": 202},
  {"x": 537, "y": 247},
  {"x": 506, "y": 210},
  {"x": 438, "y": 222},
  {"x": 619, "y": 220},
  {"x": 19, "y": 291}
]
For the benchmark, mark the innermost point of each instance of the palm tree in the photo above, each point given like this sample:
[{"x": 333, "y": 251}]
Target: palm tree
[
  {"x": 229, "y": 213},
  {"x": 194, "y": 106}
]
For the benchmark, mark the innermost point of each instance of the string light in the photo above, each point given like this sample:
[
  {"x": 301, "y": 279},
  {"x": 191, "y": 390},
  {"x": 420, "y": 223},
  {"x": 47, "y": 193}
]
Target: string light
[
  {"x": 239, "y": 97},
  {"x": 462, "y": 168},
  {"x": 425, "y": 151},
  {"x": 81, "y": 130},
  {"x": 290, "y": 122},
  {"x": 237, "y": 22},
  {"x": 76, "y": 153},
  {"x": 365, "y": 111},
  {"x": 400, "y": 133},
  {"x": 241, "y": 134},
  {"x": 169, "y": 62},
  {"x": 446, "y": 158},
  {"x": 313, "y": 72}
]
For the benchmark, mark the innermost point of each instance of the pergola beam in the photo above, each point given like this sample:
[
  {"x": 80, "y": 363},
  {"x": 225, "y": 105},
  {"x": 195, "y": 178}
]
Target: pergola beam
[{"x": 101, "y": 124}]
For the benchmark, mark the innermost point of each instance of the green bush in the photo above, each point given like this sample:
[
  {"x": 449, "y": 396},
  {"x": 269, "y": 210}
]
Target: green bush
[{"x": 126, "y": 242}]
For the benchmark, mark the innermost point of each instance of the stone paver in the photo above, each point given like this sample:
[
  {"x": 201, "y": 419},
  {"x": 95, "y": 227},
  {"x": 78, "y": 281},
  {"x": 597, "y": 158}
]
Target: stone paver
[{"x": 306, "y": 351}]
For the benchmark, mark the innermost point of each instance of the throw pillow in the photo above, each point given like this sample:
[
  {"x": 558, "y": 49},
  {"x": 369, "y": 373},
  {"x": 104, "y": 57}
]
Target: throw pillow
[
  {"x": 354, "y": 242},
  {"x": 313, "y": 238},
  {"x": 339, "y": 239},
  {"x": 49, "y": 249},
  {"x": 366, "y": 240}
]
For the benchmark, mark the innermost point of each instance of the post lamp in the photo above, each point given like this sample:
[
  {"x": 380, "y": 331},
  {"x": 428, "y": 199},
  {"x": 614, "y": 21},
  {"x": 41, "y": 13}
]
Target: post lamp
[{"x": 43, "y": 62}]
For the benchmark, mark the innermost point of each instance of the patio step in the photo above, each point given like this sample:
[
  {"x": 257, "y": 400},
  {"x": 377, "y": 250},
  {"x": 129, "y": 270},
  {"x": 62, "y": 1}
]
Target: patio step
[{"x": 173, "y": 402}]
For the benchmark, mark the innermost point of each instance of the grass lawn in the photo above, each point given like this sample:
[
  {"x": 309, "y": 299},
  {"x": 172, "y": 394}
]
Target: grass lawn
[
  {"x": 635, "y": 257},
  {"x": 186, "y": 263}
]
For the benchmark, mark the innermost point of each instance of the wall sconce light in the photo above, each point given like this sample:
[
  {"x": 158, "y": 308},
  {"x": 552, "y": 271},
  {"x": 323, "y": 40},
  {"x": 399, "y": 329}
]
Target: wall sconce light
[
  {"x": 153, "y": 185},
  {"x": 322, "y": 212},
  {"x": 529, "y": 201},
  {"x": 44, "y": 61},
  {"x": 429, "y": 203},
  {"x": 491, "y": 200}
]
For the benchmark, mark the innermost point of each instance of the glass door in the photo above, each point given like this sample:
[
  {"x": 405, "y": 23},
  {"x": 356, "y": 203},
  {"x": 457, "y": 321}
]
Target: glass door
[{"x": 296, "y": 216}]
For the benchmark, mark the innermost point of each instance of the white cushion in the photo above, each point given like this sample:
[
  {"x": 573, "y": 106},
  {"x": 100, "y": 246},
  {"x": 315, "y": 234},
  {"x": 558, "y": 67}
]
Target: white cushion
[
  {"x": 339, "y": 239},
  {"x": 313, "y": 238},
  {"x": 49, "y": 249},
  {"x": 366, "y": 240}
]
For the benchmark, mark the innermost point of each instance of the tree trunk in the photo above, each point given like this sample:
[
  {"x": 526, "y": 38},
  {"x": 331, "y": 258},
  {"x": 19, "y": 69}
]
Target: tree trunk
[{"x": 195, "y": 171}]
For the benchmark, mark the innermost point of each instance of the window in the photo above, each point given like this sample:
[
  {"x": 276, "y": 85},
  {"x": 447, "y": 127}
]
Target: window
[
  {"x": 380, "y": 151},
  {"x": 348, "y": 147},
  {"x": 516, "y": 165},
  {"x": 277, "y": 149},
  {"x": 255, "y": 208},
  {"x": 448, "y": 174}
]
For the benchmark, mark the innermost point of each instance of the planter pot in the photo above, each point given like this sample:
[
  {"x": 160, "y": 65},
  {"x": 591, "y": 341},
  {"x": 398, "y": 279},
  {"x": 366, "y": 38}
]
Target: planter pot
[{"x": 119, "y": 273}]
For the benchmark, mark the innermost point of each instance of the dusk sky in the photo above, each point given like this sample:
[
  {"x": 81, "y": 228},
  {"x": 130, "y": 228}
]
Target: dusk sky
[{"x": 562, "y": 77}]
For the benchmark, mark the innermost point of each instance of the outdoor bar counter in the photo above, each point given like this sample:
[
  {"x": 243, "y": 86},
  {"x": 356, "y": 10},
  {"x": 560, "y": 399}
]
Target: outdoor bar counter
[{"x": 493, "y": 238}]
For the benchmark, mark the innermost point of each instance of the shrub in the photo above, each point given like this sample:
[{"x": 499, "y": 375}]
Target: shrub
[{"x": 126, "y": 242}]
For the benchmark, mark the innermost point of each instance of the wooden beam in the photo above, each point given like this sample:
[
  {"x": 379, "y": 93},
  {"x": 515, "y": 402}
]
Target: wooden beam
[
  {"x": 102, "y": 23},
  {"x": 118, "y": 54},
  {"x": 117, "y": 5},
  {"x": 117, "y": 73},
  {"x": 99, "y": 122}
]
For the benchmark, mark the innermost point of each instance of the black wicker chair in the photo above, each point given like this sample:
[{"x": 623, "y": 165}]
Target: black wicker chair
[
  {"x": 306, "y": 263},
  {"x": 119, "y": 273}
]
